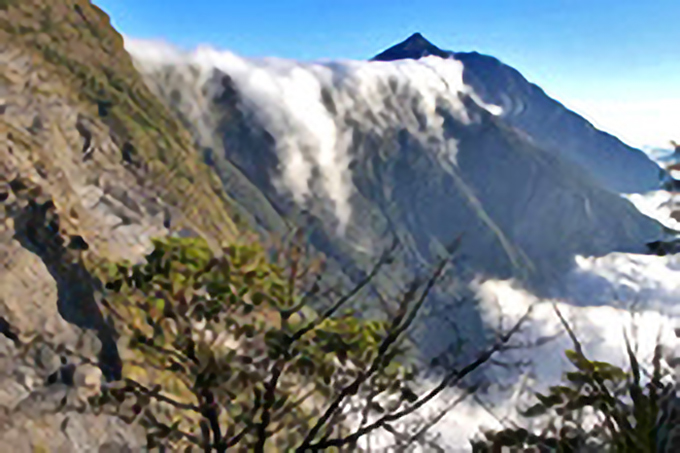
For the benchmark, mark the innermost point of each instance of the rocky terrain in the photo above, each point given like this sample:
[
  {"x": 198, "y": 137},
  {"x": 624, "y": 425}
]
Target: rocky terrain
[{"x": 83, "y": 144}]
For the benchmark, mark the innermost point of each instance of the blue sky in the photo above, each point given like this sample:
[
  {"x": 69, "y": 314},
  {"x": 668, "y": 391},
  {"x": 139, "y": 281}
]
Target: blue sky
[{"x": 616, "y": 62}]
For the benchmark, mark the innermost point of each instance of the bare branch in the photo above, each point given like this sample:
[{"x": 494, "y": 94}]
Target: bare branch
[
  {"x": 269, "y": 398},
  {"x": 451, "y": 379},
  {"x": 343, "y": 300},
  {"x": 397, "y": 329},
  {"x": 155, "y": 393},
  {"x": 436, "y": 419}
]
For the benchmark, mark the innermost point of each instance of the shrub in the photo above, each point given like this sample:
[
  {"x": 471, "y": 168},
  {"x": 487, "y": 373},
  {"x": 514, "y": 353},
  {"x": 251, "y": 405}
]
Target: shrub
[
  {"x": 623, "y": 409},
  {"x": 228, "y": 351}
]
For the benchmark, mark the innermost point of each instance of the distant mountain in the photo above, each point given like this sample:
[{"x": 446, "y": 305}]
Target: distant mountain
[
  {"x": 361, "y": 153},
  {"x": 544, "y": 120}
]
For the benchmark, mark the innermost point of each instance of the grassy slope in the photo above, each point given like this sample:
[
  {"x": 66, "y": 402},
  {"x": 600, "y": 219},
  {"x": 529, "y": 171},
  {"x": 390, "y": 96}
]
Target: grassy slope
[{"x": 74, "y": 40}]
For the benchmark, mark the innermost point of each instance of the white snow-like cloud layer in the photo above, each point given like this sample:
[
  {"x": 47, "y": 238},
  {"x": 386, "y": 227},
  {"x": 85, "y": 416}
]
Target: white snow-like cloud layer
[{"x": 291, "y": 100}]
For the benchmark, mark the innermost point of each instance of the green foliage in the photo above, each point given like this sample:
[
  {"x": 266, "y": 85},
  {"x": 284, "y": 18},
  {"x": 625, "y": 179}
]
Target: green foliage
[
  {"x": 230, "y": 345},
  {"x": 624, "y": 410}
]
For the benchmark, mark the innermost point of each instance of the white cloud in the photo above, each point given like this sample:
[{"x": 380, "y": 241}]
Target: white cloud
[
  {"x": 287, "y": 98},
  {"x": 638, "y": 123}
]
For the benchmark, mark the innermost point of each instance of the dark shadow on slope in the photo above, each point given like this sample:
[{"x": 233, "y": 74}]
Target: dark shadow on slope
[{"x": 37, "y": 230}]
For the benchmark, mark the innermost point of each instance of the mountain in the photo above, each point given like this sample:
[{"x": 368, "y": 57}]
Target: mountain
[
  {"x": 86, "y": 153},
  {"x": 101, "y": 151},
  {"x": 544, "y": 120},
  {"x": 362, "y": 153}
]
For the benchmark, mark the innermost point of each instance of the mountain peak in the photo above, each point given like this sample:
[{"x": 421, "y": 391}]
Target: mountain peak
[
  {"x": 417, "y": 37},
  {"x": 414, "y": 47}
]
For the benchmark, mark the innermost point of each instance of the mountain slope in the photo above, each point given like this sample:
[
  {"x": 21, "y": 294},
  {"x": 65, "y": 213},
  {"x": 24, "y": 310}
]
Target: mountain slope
[
  {"x": 92, "y": 166},
  {"x": 546, "y": 121},
  {"x": 365, "y": 152},
  {"x": 72, "y": 45}
]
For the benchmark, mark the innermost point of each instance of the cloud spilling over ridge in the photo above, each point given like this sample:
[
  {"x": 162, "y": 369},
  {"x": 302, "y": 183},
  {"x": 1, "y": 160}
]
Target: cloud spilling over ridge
[
  {"x": 407, "y": 145},
  {"x": 316, "y": 114},
  {"x": 311, "y": 109}
]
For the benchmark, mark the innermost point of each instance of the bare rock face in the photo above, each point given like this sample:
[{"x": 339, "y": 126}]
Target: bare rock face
[{"x": 48, "y": 298}]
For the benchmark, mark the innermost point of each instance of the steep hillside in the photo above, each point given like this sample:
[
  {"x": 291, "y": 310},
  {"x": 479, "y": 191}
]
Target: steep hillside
[
  {"x": 66, "y": 55},
  {"x": 92, "y": 166}
]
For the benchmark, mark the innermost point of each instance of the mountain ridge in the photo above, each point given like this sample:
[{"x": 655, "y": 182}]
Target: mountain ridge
[
  {"x": 529, "y": 109},
  {"x": 425, "y": 164}
]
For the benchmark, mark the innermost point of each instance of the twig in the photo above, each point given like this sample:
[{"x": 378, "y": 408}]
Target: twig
[
  {"x": 452, "y": 378},
  {"x": 391, "y": 338}
]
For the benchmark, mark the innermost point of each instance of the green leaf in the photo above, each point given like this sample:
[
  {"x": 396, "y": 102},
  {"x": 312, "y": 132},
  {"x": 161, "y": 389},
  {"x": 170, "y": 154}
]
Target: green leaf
[{"x": 159, "y": 304}]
